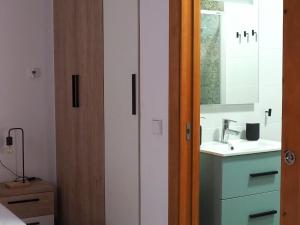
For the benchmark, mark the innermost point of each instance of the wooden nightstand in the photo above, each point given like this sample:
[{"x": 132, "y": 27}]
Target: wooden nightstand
[{"x": 33, "y": 204}]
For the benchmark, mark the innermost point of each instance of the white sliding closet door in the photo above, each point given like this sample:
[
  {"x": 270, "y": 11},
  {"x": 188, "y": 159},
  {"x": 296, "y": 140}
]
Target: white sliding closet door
[{"x": 121, "y": 66}]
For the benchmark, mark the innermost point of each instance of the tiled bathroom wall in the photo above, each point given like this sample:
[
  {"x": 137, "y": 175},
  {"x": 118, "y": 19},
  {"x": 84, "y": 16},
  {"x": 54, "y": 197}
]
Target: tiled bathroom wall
[{"x": 270, "y": 83}]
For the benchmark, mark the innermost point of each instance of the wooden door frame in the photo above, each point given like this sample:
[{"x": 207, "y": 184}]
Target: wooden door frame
[
  {"x": 184, "y": 109},
  {"x": 290, "y": 128}
]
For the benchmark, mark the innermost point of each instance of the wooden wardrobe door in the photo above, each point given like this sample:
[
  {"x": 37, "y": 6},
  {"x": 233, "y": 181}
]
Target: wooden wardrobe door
[
  {"x": 290, "y": 199},
  {"x": 65, "y": 65},
  {"x": 80, "y": 131},
  {"x": 90, "y": 141}
]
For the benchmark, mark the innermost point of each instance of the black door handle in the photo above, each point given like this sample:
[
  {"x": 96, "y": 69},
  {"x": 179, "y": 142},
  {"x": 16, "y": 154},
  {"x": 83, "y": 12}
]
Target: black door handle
[
  {"x": 264, "y": 174},
  {"x": 34, "y": 223},
  {"x": 263, "y": 214},
  {"x": 134, "y": 92},
  {"x": 75, "y": 91}
]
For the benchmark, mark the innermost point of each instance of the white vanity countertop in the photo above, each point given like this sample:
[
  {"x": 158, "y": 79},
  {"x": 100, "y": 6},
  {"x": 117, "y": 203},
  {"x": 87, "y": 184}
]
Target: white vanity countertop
[
  {"x": 7, "y": 218},
  {"x": 240, "y": 147}
]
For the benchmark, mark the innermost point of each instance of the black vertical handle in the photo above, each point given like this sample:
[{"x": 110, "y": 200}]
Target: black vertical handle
[
  {"x": 133, "y": 80},
  {"x": 75, "y": 91}
]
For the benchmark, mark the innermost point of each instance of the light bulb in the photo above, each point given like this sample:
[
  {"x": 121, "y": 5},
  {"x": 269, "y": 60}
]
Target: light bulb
[{"x": 10, "y": 149}]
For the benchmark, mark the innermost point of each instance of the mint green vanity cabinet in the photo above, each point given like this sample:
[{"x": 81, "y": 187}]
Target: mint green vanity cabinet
[
  {"x": 250, "y": 174},
  {"x": 237, "y": 187},
  {"x": 259, "y": 209}
]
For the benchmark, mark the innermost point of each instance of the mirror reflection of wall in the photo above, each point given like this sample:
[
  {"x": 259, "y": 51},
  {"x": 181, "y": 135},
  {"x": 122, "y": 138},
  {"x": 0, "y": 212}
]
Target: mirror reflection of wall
[
  {"x": 211, "y": 59},
  {"x": 229, "y": 52},
  {"x": 211, "y": 14}
]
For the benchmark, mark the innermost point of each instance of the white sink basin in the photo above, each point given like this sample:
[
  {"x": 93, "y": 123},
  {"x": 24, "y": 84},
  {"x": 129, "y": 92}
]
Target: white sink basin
[{"x": 240, "y": 147}]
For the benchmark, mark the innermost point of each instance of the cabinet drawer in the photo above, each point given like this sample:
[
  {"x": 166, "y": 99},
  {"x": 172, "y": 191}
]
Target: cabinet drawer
[
  {"x": 28, "y": 206},
  {"x": 43, "y": 220},
  {"x": 260, "y": 209},
  {"x": 250, "y": 174}
]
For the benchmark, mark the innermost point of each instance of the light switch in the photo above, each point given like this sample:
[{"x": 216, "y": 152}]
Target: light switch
[{"x": 157, "y": 127}]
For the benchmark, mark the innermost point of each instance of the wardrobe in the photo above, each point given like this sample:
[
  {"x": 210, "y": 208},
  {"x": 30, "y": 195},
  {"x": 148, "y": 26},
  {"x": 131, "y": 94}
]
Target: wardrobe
[
  {"x": 121, "y": 91},
  {"x": 97, "y": 111}
]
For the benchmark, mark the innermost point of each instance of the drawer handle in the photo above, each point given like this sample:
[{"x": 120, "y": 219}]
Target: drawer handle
[
  {"x": 258, "y": 215},
  {"x": 24, "y": 201},
  {"x": 264, "y": 174},
  {"x": 34, "y": 223}
]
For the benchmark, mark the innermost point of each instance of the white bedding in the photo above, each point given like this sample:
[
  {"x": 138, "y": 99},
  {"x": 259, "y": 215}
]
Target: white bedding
[{"x": 7, "y": 218}]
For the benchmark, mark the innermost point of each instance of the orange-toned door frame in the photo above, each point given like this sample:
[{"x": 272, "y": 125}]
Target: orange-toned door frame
[
  {"x": 290, "y": 185},
  {"x": 184, "y": 112}
]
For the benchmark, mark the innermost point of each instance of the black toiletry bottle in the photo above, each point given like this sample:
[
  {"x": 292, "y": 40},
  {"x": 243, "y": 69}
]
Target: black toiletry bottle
[{"x": 252, "y": 131}]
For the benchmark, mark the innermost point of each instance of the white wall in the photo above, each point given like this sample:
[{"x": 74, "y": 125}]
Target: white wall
[
  {"x": 270, "y": 82},
  {"x": 26, "y": 41},
  {"x": 240, "y": 55},
  {"x": 154, "y": 26}
]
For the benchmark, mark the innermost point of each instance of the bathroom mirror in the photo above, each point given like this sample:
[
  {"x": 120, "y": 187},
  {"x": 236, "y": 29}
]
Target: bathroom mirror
[{"x": 229, "y": 52}]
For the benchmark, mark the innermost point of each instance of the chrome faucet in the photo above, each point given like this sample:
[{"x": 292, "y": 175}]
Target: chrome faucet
[{"x": 226, "y": 131}]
